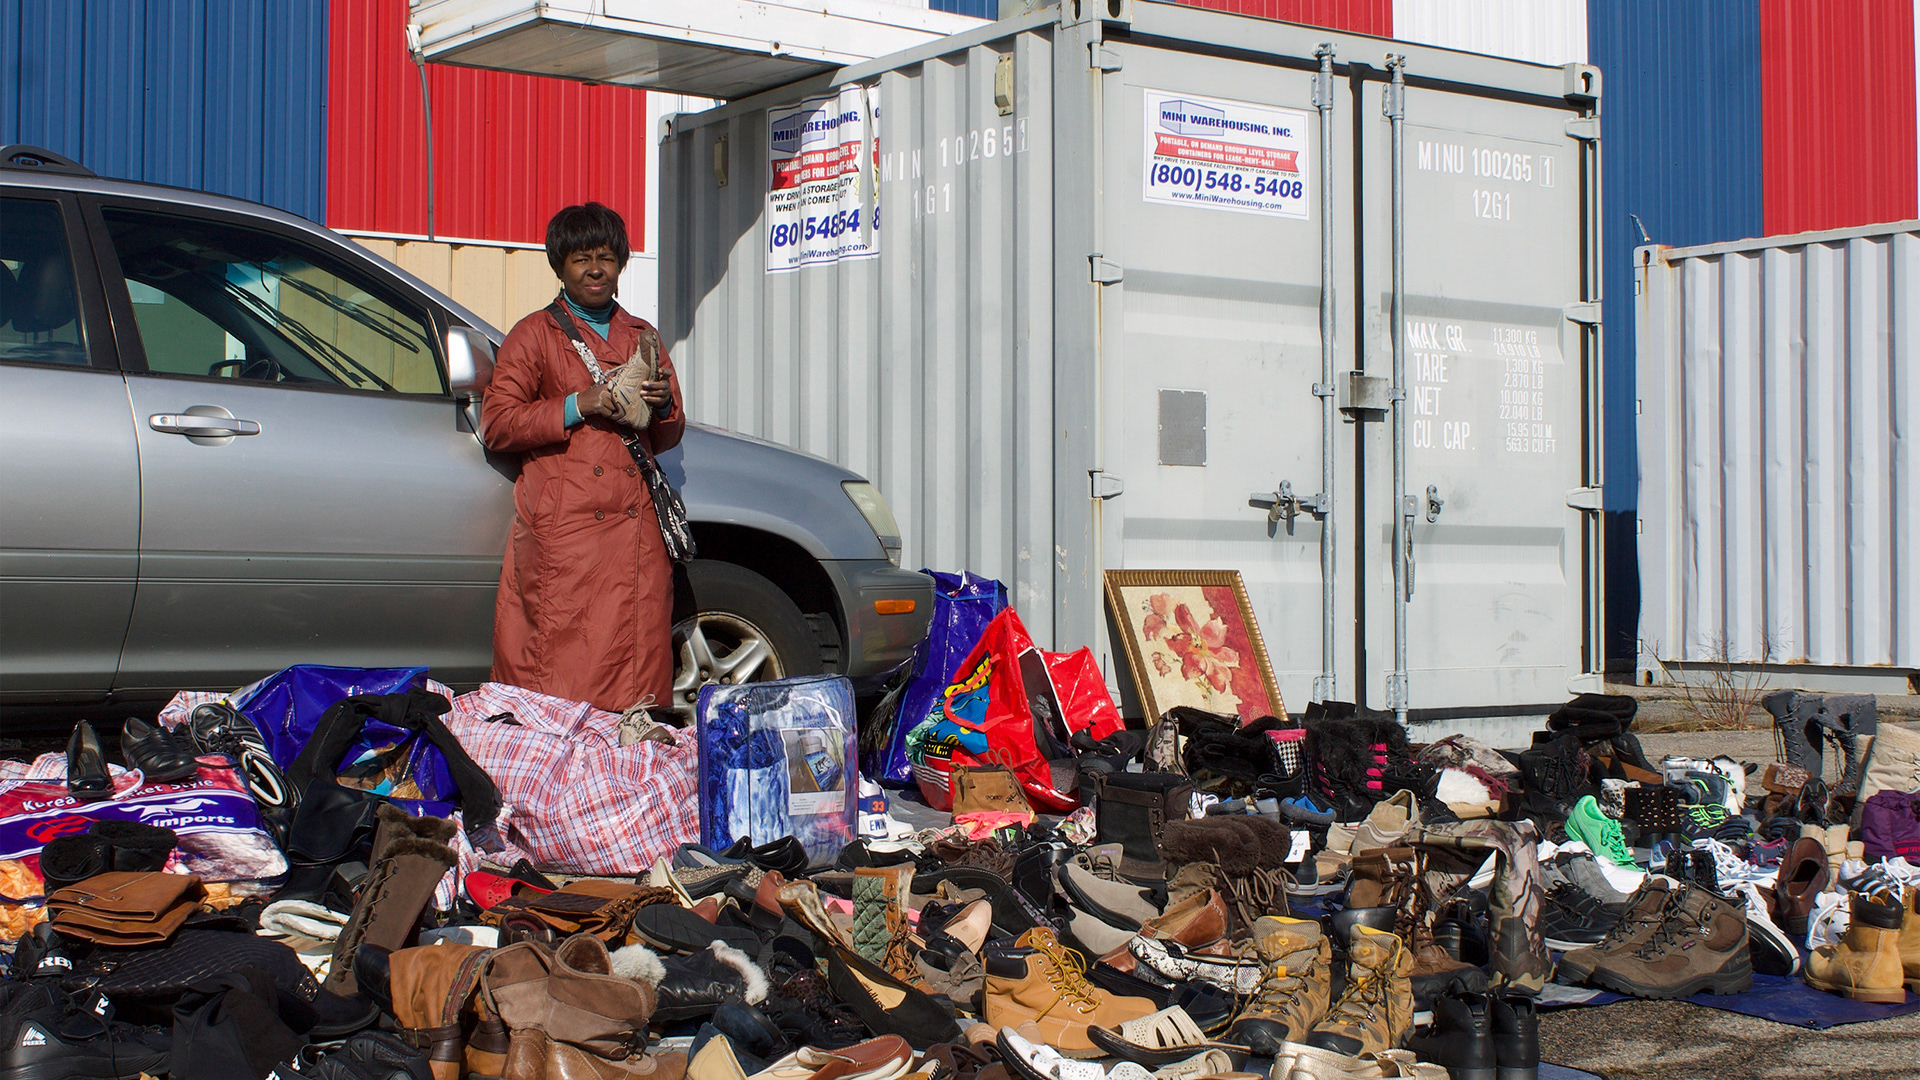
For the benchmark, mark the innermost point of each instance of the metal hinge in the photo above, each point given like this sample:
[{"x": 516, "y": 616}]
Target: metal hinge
[
  {"x": 1587, "y": 313},
  {"x": 1397, "y": 690},
  {"x": 1105, "y": 271},
  {"x": 1583, "y": 127},
  {"x": 1104, "y": 485},
  {"x": 1584, "y": 498},
  {"x": 1102, "y": 59}
]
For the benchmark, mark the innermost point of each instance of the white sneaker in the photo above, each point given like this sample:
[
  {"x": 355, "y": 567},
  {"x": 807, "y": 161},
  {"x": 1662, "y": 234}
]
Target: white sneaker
[{"x": 1827, "y": 922}]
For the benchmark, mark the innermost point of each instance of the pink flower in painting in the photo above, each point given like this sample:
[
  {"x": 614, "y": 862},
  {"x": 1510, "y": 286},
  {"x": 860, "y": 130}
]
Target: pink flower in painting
[
  {"x": 1202, "y": 648},
  {"x": 1156, "y": 619}
]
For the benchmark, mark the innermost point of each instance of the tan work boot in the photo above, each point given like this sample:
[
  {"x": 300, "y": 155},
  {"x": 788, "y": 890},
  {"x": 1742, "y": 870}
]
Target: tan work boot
[
  {"x": 1866, "y": 965},
  {"x": 1295, "y": 985},
  {"x": 1910, "y": 941},
  {"x": 598, "y": 1026},
  {"x": 1375, "y": 1012},
  {"x": 1038, "y": 981},
  {"x": 1646, "y": 910}
]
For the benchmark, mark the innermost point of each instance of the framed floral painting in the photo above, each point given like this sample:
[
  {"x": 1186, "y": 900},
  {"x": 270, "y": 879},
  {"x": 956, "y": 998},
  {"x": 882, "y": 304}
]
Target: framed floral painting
[{"x": 1191, "y": 639}]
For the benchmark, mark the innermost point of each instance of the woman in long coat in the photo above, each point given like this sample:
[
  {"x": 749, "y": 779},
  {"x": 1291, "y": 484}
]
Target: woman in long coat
[{"x": 585, "y": 606}]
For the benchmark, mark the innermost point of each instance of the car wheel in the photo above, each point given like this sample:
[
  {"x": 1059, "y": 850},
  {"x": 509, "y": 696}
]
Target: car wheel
[{"x": 743, "y": 629}]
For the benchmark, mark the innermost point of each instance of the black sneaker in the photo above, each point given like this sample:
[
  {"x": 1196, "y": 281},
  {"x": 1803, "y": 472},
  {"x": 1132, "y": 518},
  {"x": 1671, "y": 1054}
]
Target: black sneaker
[
  {"x": 51, "y": 1038},
  {"x": 1571, "y": 919}
]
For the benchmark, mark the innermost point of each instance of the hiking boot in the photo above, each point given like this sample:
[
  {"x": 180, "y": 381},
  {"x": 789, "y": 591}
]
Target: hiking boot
[
  {"x": 1866, "y": 964},
  {"x": 1460, "y": 1037},
  {"x": 49, "y": 1038},
  {"x": 1700, "y": 946},
  {"x": 1294, "y": 991},
  {"x": 1393, "y": 878},
  {"x": 1375, "y": 1012},
  {"x": 1599, "y": 832},
  {"x": 1038, "y": 981},
  {"x": 1646, "y": 910},
  {"x": 1570, "y": 919}
]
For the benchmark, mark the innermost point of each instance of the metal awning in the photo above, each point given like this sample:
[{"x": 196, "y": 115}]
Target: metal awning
[{"x": 712, "y": 48}]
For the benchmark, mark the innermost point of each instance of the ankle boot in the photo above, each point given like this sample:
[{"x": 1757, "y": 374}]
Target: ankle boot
[
  {"x": 1793, "y": 713},
  {"x": 1516, "y": 1038},
  {"x": 1132, "y": 810},
  {"x": 514, "y": 986},
  {"x": 431, "y": 995},
  {"x": 1392, "y": 878},
  {"x": 410, "y": 856},
  {"x": 1035, "y": 980},
  {"x": 1295, "y": 985},
  {"x": 1866, "y": 964},
  {"x": 598, "y": 1026},
  {"x": 1375, "y": 1011},
  {"x": 1835, "y": 838},
  {"x": 1460, "y": 1038}
]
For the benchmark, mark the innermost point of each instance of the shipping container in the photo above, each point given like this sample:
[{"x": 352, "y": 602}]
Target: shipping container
[
  {"x": 1780, "y": 486},
  {"x": 1103, "y": 286}
]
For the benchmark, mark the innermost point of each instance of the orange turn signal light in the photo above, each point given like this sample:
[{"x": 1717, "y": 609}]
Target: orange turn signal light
[{"x": 893, "y": 607}]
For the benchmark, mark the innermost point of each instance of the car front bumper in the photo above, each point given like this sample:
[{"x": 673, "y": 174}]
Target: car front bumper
[{"x": 877, "y": 643}]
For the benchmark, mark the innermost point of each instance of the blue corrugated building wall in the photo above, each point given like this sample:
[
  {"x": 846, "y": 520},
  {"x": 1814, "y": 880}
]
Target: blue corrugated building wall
[{"x": 228, "y": 96}]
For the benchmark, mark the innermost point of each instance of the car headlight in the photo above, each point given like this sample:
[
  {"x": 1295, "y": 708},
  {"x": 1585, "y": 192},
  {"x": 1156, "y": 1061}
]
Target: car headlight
[{"x": 873, "y": 506}]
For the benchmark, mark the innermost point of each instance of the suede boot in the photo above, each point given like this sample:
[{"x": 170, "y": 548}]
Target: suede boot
[
  {"x": 1646, "y": 910},
  {"x": 598, "y": 1026},
  {"x": 1866, "y": 964},
  {"x": 410, "y": 856},
  {"x": 514, "y": 985},
  {"x": 1701, "y": 945}
]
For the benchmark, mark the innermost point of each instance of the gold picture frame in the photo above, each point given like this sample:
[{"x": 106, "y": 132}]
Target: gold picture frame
[{"x": 1182, "y": 648}]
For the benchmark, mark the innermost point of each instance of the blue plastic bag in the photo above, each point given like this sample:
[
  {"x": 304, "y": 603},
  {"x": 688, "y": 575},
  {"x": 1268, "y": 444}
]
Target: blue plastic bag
[
  {"x": 963, "y": 605},
  {"x": 287, "y": 705},
  {"x": 774, "y": 762}
]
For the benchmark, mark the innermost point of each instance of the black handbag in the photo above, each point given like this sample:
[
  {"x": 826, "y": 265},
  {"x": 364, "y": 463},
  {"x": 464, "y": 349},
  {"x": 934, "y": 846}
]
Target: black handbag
[{"x": 668, "y": 507}]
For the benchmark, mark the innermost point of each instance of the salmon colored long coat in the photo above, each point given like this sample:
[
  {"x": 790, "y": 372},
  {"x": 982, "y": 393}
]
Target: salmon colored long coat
[{"x": 585, "y": 606}]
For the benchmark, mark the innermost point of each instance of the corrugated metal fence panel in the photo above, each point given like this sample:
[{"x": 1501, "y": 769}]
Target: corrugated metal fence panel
[
  {"x": 1779, "y": 506},
  {"x": 1541, "y": 31},
  {"x": 226, "y": 96},
  {"x": 501, "y": 285},
  {"x": 1682, "y": 158},
  {"x": 944, "y": 404},
  {"x": 1838, "y": 107},
  {"x": 509, "y": 149}
]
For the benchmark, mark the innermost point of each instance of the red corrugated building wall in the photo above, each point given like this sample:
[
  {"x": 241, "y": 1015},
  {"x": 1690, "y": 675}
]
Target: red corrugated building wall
[
  {"x": 508, "y": 149},
  {"x": 1837, "y": 113},
  {"x": 1357, "y": 16}
]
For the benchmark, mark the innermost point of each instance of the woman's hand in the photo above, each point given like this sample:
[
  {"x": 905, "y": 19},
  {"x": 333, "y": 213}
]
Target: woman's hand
[
  {"x": 657, "y": 394},
  {"x": 596, "y": 400}
]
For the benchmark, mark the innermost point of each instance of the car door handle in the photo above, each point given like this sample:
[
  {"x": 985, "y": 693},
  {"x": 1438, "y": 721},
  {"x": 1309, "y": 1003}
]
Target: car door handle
[{"x": 189, "y": 424}]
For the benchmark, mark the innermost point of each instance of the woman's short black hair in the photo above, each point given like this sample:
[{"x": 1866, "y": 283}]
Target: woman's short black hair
[{"x": 583, "y": 228}]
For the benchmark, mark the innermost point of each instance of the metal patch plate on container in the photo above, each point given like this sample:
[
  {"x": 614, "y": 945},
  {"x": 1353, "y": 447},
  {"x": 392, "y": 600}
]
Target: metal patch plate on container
[
  {"x": 1225, "y": 155},
  {"x": 1183, "y": 427}
]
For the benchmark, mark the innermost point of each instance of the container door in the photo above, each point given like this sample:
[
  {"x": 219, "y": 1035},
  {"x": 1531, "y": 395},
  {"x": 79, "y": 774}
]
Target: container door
[
  {"x": 1210, "y": 341},
  {"x": 1496, "y": 371}
]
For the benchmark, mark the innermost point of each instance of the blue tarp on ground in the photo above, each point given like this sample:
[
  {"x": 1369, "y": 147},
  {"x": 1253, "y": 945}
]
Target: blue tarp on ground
[
  {"x": 1566, "y": 1072},
  {"x": 1788, "y": 1000}
]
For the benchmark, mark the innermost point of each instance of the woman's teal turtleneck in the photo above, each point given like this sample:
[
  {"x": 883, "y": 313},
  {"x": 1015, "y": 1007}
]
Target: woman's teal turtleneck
[{"x": 601, "y": 320}]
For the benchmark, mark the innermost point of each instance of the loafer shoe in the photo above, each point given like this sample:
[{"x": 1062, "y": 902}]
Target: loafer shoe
[{"x": 160, "y": 755}]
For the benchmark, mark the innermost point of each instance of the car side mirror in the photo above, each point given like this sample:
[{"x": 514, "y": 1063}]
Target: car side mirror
[{"x": 469, "y": 362}]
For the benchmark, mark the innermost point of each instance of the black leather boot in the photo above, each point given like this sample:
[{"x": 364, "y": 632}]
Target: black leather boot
[
  {"x": 1516, "y": 1038},
  {"x": 1132, "y": 809},
  {"x": 1460, "y": 1038},
  {"x": 1794, "y": 714}
]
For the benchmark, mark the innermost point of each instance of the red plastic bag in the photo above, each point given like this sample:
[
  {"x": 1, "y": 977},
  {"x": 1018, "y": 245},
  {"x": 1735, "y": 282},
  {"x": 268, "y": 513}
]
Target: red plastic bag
[{"x": 1006, "y": 705}]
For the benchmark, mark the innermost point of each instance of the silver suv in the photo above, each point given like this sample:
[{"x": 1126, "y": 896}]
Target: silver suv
[{"x": 237, "y": 441}]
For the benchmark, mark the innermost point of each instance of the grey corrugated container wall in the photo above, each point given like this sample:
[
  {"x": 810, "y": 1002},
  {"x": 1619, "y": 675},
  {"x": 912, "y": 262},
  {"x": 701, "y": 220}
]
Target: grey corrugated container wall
[
  {"x": 1780, "y": 469},
  {"x": 997, "y": 368}
]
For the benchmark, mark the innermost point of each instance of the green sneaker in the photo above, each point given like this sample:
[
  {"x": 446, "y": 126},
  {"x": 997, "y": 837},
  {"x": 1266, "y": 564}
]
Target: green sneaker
[{"x": 1599, "y": 832}]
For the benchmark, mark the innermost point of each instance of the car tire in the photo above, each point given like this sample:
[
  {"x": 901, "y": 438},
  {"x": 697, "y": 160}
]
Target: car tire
[{"x": 748, "y": 631}]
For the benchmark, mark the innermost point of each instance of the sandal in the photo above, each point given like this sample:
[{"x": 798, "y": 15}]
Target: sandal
[{"x": 1164, "y": 1038}]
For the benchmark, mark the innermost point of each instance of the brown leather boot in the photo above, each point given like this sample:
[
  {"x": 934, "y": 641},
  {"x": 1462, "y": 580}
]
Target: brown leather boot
[
  {"x": 435, "y": 1002},
  {"x": 514, "y": 985},
  {"x": 598, "y": 1026},
  {"x": 410, "y": 856},
  {"x": 1866, "y": 965},
  {"x": 1198, "y": 921},
  {"x": 1038, "y": 981},
  {"x": 1375, "y": 1011},
  {"x": 1295, "y": 985},
  {"x": 1910, "y": 941}
]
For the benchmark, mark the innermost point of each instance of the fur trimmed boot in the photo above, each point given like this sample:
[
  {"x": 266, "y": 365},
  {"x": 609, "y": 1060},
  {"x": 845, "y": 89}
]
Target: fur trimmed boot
[
  {"x": 692, "y": 987},
  {"x": 1244, "y": 859},
  {"x": 410, "y": 856}
]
